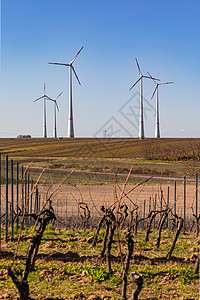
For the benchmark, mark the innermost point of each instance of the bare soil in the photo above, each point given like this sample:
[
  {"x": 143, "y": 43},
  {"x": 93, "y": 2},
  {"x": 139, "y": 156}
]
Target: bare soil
[
  {"x": 98, "y": 195},
  {"x": 106, "y": 194}
]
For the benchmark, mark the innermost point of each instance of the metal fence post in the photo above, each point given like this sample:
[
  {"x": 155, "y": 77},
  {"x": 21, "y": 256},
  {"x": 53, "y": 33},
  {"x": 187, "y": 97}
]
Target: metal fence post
[
  {"x": 154, "y": 221},
  {"x": 22, "y": 191},
  {"x": 17, "y": 196},
  {"x": 184, "y": 200},
  {"x": 78, "y": 213},
  {"x": 57, "y": 212},
  {"x": 31, "y": 202},
  {"x": 175, "y": 203},
  {"x": 197, "y": 194},
  {"x": 140, "y": 214},
  {"x": 144, "y": 213},
  {"x": 28, "y": 201},
  {"x": 149, "y": 204},
  {"x": 6, "y": 216},
  {"x": 25, "y": 197},
  {"x": 66, "y": 213},
  {"x": 36, "y": 200},
  {"x": 168, "y": 216},
  {"x": 92, "y": 218},
  {"x": 39, "y": 201},
  {"x": 161, "y": 197},
  {"x": 0, "y": 201},
  {"x": 12, "y": 200}
]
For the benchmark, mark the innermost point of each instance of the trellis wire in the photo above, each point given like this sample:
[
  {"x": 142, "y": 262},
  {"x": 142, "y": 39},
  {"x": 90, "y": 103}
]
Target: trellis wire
[{"x": 145, "y": 207}]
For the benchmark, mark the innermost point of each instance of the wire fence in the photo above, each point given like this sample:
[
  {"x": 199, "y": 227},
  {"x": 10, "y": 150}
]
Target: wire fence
[{"x": 17, "y": 197}]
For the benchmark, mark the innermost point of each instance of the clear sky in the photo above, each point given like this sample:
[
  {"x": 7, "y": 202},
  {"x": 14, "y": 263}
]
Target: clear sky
[{"x": 163, "y": 35}]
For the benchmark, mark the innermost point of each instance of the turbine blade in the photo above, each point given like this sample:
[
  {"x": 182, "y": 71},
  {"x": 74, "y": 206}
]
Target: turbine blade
[
  {"x": 76, "y": 56},
  {"x": 60, "y": 64},
  {"x": 138, "y": 67},
  {"x": 59, "y": 95},
  {"x": 154, "y": 91},
  {"x": 152, "y": 78},
  {"x": 75, "y": 75},
  {"x": 38, "y": 98},
  {"x": 57, "y": 105},
  {"x": 49, "y": 98},
  {"x": 135, "y": 83},
  {"x": 169, "y": 82}
]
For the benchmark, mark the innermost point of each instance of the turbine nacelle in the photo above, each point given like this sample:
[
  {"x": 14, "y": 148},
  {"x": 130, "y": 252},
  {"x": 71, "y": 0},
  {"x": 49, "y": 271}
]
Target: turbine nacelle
[
  {"x": 69, "y": 65},
  {"x": 55, "y": 100},
  {"x": 157, "y": 84},
  {"x": 141, "y": 76}
]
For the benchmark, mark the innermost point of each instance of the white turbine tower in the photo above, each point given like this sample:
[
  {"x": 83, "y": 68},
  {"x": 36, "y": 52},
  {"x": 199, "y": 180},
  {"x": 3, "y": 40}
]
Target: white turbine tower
[
  {"x": 70, "y": 117},
  {"x": 44, "y": 97},
  {"x": 157, "y": 128},
  {"x": 55, "y": 118},
  {"x": 141, "y": 124}
]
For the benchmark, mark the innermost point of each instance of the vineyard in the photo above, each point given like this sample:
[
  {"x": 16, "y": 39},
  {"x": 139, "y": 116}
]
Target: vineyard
[{"x": 62, "y": 238}]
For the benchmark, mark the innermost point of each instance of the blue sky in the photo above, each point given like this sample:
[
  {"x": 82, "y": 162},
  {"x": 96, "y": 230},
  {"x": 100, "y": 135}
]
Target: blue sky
[{"x": 163, "y": 35}]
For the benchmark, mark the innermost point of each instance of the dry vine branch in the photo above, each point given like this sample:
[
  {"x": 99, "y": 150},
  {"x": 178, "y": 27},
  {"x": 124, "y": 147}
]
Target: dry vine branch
[
  {"x": 138, "y": 280},
  {"x": 51, "y": 195},
  {"x": 151, "y": 216},
  {"x": 197, "y": 219},
  {"x": 22, "y": 285},
  {"x": 101, "y": 221},
  {"x": 124, "y": 215},
  {"x": 42, "y": 219},
  {"x": 105, "y": 238},
  {"x": 125, "y": 195},
  {"x": 111, "y": 217},
  {"x": 178, "y": 230},
  {"x": 196, "y": 267},
  {"x": 117, "y": 213},
  {"x": 21, "y": 225},
  {"x": 86, "y": 214},
  {"x": 127, "y": 262},
  {"x": 162, "y": 221}
]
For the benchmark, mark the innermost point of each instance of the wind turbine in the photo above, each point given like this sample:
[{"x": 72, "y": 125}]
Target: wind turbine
[
  {"x": 70, "y": 117},
  {"x": 157, "y": 129},
  {"x": 55, "y": 108},
  {"x": 44, "y": 97},
  {"x": 141, "y": 124}
]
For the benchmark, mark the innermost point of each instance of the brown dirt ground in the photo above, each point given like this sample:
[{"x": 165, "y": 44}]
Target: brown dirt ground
[{"x": 97, "y": 195}]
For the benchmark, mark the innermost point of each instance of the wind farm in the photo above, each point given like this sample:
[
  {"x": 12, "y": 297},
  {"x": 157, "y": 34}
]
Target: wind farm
[
  {"x": 141, "y": 122},
  {"x": 56, "y": 108},
  {"x": 99, "y": 164},
  {"x": 70, "y": 115},
  {"x": 45, "y": 98},
  {"x": 70, "y": 129},
  {"x": 157, "y": 125}
]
